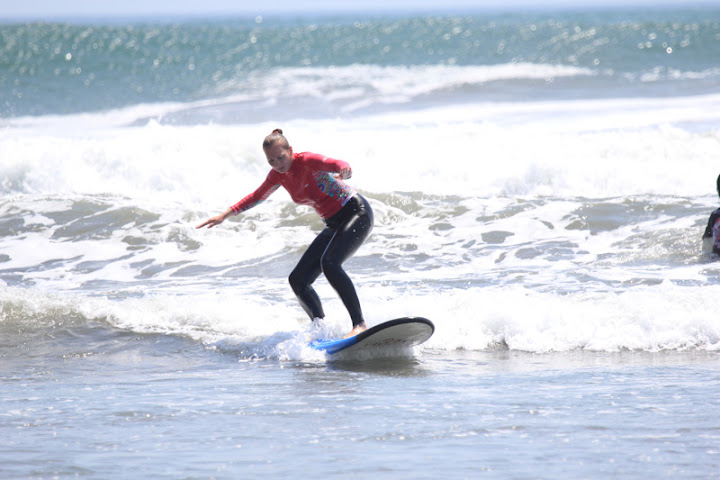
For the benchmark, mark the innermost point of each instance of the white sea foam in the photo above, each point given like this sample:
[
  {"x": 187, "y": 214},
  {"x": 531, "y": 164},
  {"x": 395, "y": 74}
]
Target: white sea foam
[
  {"x": 542, "y": 226},
  {"x": 388, "y": 84},
  {"x": 587, "y": 148},
  {"x": 667, "y": 317}
]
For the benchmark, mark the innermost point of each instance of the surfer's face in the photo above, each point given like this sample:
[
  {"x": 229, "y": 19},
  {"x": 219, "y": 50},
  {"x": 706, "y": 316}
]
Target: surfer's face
[{"x": 279, "y": 157}]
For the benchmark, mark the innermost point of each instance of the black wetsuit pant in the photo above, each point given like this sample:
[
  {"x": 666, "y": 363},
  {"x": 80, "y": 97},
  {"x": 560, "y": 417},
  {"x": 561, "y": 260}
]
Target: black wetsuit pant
[{"x": 345, "y": 232}]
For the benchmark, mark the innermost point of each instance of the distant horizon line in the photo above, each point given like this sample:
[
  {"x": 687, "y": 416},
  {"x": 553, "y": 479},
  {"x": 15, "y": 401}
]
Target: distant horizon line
[{"x": 299, "y": 13}]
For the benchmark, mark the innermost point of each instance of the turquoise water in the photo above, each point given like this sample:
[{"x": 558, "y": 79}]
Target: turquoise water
[{"x": 74, "y": 67}]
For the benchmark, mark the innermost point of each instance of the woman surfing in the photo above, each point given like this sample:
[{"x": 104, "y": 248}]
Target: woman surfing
[{"x": 315, "y": 180}]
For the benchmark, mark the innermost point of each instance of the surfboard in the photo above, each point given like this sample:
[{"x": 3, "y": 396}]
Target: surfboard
[{"x": 401, "y": 332}]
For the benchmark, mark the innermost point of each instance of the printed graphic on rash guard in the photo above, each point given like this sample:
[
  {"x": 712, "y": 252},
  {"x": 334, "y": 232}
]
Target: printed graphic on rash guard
[
  {"x": 716, "y": 235},
  {"x": 328, "y": 184}
]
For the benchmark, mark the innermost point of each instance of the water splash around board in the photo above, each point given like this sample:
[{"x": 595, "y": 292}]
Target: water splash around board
[{"x": 402, "y": 332}]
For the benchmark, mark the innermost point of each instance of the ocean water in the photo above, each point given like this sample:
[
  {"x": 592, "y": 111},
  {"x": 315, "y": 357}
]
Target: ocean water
[{"x": 540, "y": 183}]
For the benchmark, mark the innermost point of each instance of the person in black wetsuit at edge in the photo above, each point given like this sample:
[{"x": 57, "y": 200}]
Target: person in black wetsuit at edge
[{"x": 711, "y": 237}]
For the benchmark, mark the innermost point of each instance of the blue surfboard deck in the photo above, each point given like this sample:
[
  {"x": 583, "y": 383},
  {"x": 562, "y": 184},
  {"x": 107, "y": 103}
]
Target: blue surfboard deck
[{"x": 401, "y": 332}]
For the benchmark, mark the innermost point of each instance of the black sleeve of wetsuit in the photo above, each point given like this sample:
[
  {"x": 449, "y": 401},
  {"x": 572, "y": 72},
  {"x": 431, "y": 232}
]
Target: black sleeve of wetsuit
[{"x": 711, "y": 221}]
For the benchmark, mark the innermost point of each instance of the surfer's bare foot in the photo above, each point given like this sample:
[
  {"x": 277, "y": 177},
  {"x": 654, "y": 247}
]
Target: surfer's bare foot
[{"x": 358, "y": 328}]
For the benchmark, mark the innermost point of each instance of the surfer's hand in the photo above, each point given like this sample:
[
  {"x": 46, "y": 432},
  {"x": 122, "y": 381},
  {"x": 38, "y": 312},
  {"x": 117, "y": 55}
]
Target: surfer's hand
[
  {"x": 345, "y": 173},
  {"x": 211, "y": 222}
]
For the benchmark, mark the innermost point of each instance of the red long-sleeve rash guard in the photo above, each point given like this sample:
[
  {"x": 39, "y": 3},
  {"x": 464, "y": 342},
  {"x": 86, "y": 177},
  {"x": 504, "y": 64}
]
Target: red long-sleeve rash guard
[{"x": 311, "y": 181}]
